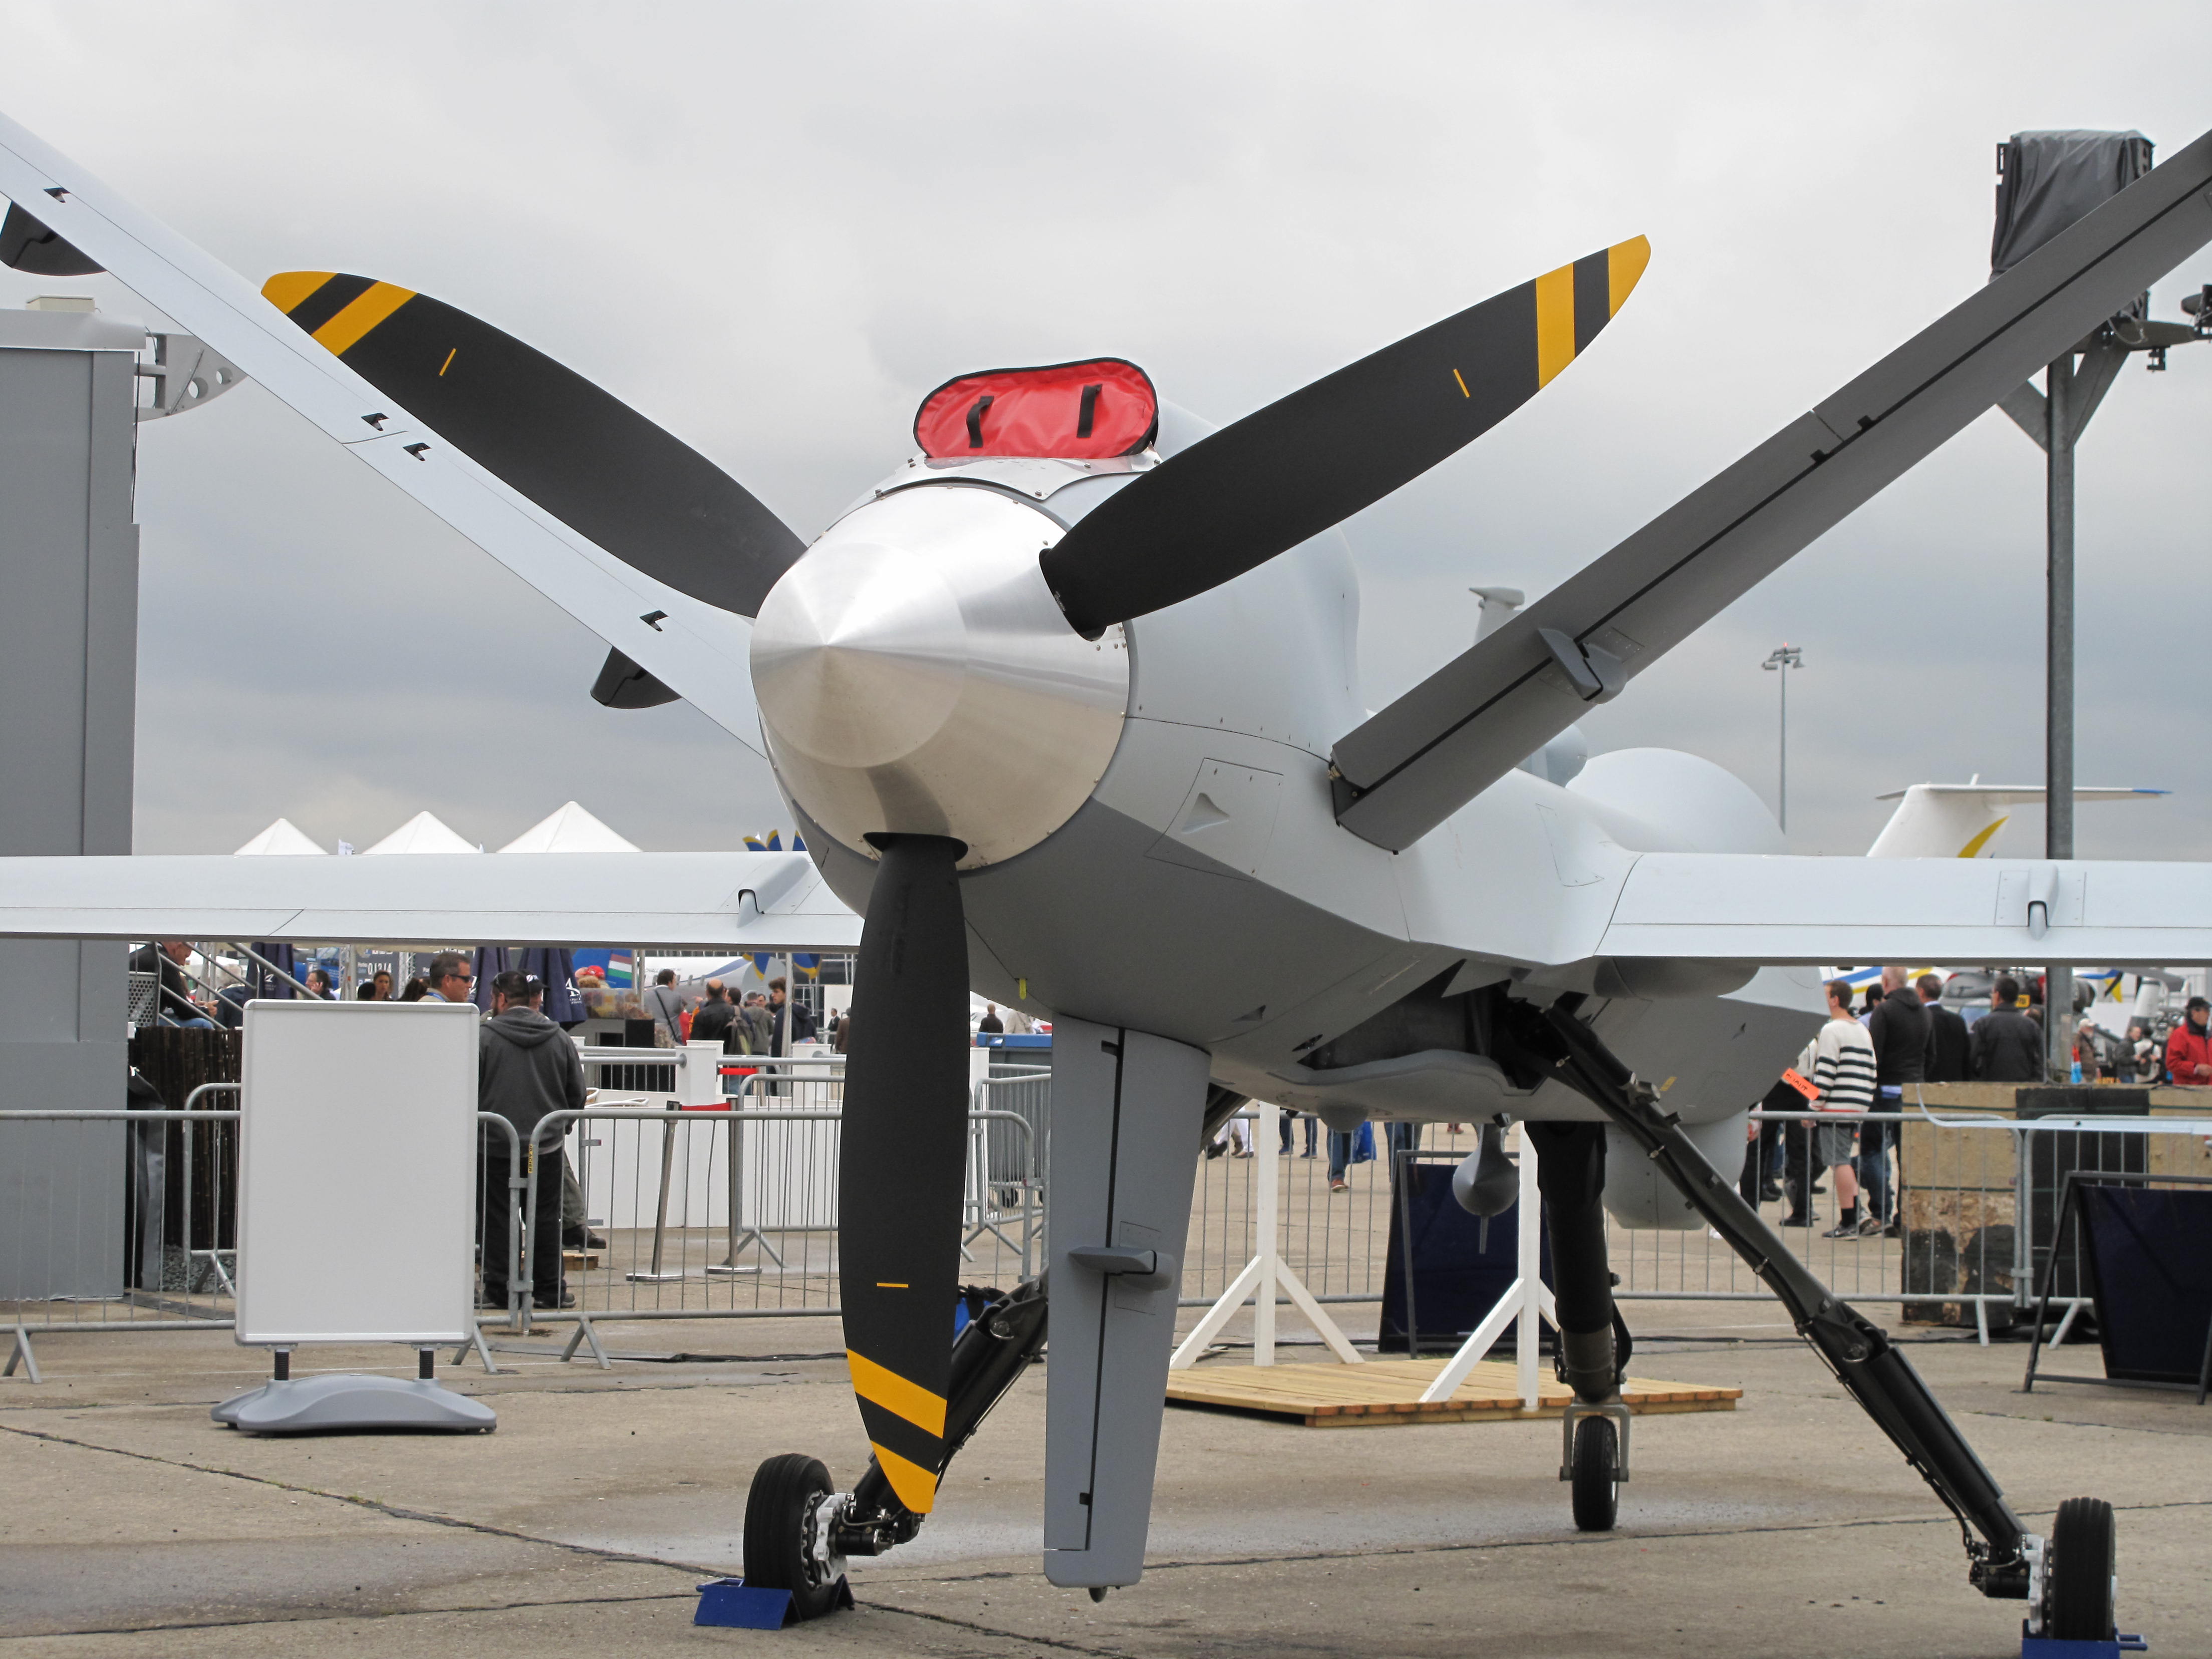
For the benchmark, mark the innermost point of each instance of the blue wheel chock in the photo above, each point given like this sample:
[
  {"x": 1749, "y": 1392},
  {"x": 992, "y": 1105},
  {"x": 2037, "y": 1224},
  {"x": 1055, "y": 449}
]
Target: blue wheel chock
[
  {"x": 2049, "y": 1647},
  {"x": 732, "y": 1601}
]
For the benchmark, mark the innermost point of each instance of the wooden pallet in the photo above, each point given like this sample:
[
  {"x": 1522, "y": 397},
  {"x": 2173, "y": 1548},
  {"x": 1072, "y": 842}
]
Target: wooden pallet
[{"x": 1386, "y": 1394}]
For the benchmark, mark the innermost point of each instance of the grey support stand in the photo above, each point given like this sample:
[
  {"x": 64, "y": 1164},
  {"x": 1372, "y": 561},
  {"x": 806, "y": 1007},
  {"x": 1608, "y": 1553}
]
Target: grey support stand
[
  {"x": 340, "y": 1403},
  {"x": 585, "y": 1333},
  {"x": 483, "y": 1349},
  {"x": 1128, "y": 1113},
  {"x": 21, "y": 1353}
]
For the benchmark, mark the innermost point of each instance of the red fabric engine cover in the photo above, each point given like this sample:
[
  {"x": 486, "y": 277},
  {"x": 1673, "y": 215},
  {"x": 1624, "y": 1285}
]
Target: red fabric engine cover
[{"x": 1083, "y": 411}]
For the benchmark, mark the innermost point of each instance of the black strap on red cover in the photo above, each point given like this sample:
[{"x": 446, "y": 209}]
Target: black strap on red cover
[{"x": 1090, "y": 410}]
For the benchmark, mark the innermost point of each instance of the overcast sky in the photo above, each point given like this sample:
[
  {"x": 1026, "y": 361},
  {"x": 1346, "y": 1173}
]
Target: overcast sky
[{"x": 773, "y": 228}]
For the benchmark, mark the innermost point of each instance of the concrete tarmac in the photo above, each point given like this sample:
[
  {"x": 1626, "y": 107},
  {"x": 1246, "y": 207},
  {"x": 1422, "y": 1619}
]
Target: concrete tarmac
[{"x": 133, "y": 1525}]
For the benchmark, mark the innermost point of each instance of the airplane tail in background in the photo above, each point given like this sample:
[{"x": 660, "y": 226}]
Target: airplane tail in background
[{"x": 1961, "y": 820}]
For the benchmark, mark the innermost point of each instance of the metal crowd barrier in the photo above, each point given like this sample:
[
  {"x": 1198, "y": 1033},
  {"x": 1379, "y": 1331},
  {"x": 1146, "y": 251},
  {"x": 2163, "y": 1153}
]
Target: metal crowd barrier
[
  {"x": 1975, "y": 1201},
  {"x": 1335, "y": 1242},
  {"x": 718, "y": 1213},
  {"x": 732, "y": 1212},
  {"x": 1975, "y": 1208},
  {"x": 87, "y": 1212}
]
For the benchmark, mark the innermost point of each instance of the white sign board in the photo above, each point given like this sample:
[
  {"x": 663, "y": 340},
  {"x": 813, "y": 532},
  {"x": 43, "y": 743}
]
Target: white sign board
[{"x": 357, "y": 1168}]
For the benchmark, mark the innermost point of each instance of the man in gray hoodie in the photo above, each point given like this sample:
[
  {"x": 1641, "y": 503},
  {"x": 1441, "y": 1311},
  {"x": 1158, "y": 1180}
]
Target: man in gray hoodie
[{"x": 526, "y": 1068}]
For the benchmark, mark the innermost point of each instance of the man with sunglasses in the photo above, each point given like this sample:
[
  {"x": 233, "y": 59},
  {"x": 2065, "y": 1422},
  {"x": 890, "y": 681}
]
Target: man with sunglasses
[{"x": 450, "y": 978}]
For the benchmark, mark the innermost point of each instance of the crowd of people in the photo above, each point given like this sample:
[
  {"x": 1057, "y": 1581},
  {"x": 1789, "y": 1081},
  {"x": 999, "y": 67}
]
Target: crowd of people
[
  {"x": 763, "y": 1023},
  {"x": 1862, "y": 1060},
  {"x": 1860, "y": 1063}
]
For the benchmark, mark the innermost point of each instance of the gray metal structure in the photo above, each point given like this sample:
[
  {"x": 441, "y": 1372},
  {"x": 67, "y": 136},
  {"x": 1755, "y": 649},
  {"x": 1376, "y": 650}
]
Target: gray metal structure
[
  {"x": 68, "y": 640},
  {"x": 2047, "y": 182},
  {"x": 1781, "y": 660}
]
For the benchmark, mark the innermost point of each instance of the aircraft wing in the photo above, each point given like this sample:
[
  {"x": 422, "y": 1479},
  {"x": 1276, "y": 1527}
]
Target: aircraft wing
[
  {"x": 1410, "y": 767},
  {"x": 742, "y": 900},
  {"x": 1776, "y": 910},
  {"x": 691, "y": 647}
]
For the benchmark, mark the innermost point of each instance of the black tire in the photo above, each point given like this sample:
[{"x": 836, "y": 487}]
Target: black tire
[
  {"x": 1597, "y": 1492},
  {"x": 2084, "y": 1559},
  {"x": 775, "y": 1531}
]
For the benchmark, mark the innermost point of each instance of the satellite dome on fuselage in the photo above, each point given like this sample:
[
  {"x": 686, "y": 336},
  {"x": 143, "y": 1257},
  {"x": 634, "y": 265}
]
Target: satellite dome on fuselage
[{"x": 1091, "y": 411}]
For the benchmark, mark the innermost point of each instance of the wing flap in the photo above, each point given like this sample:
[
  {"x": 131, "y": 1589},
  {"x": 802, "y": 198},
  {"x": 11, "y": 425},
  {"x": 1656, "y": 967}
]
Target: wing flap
[{"x": 1778, "y": 910}]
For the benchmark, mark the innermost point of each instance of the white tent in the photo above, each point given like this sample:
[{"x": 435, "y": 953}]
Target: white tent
[
  {"x": 571, "y": 830},
  {"x": 423, "y": 833},
  {"x": 282, "y": 839}
]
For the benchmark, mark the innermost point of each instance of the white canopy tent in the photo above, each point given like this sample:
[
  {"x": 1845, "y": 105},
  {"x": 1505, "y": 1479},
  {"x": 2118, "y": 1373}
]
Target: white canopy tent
[
  {"x": 282, "y": 839},
  {"x": 424, "y": 833},
  {"x": 571, "y": 830}
]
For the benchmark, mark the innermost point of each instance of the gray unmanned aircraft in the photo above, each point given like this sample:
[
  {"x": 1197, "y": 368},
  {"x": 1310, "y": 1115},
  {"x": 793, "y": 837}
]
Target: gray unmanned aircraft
[{"x": 1067, "y": 708}]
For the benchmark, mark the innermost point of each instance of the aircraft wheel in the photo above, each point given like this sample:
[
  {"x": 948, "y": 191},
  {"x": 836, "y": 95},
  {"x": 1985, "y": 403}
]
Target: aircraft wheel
[
  {"x": 1596, "y": 1490},
  {"x": 2084, "y": 1566},
  {"x": 780, "y": 1508}
]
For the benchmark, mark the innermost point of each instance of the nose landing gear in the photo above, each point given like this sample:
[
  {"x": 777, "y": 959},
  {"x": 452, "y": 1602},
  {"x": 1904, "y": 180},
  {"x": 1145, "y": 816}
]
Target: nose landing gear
[
  {"x": 791, "y": 1524},
  {"x": 799, "y": 1531}
]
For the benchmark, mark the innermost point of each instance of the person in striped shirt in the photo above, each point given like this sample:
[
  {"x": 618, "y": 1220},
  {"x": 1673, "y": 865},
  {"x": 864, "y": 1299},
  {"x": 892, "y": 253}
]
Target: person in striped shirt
[{"x": 1840, "y": 1061}]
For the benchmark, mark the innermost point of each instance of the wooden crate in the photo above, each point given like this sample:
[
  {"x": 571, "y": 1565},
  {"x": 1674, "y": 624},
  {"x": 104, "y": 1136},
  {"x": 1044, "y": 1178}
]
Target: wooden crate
[
  {"x": 1386, "y": 1394},
  {"x": 1956, "y": 1201},
  {"x": 2172, "y": 1155}
]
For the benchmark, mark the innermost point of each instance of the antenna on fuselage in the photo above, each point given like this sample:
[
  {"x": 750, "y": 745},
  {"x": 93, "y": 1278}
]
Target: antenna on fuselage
[
  {"x": 1562, "y": 757},
  {"x": 1498, "y": 605}
]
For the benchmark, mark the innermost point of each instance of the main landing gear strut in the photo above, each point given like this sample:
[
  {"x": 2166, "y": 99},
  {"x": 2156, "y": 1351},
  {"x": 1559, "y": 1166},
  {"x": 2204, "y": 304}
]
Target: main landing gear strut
[
  {"x": 799, "y": 1531},
  {"x": 2067, "y": 1579}
]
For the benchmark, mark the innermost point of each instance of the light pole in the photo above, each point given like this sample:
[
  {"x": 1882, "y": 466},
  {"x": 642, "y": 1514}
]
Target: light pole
[{"x": 1784, "y": 658}]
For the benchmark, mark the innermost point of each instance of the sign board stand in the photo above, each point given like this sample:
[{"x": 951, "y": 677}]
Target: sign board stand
[{"x": 331, "y": 1091}]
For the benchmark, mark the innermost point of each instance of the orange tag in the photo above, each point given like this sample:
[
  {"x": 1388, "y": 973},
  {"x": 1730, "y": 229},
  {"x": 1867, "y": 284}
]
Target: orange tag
[{"x": 1803, "y": 1084}]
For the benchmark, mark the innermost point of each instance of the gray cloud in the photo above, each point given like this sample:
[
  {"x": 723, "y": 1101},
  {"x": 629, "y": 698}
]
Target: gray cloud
[{"x": 773, "y": 228}]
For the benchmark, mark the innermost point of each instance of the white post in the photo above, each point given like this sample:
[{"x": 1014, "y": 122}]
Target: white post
[
  {"x": 1266, "y": 1157},
  {"x": 1264, "y": 1275}
]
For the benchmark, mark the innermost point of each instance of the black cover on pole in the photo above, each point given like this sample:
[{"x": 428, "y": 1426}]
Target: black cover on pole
[{"x": 2048, "y": 180}]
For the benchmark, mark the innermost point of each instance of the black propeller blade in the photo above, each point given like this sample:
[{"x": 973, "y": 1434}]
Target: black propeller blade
[
  {"x": 1233, "y": 501},
  {"x": 581, "y": 454},
  {"x": 903, "y": 1158}
]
